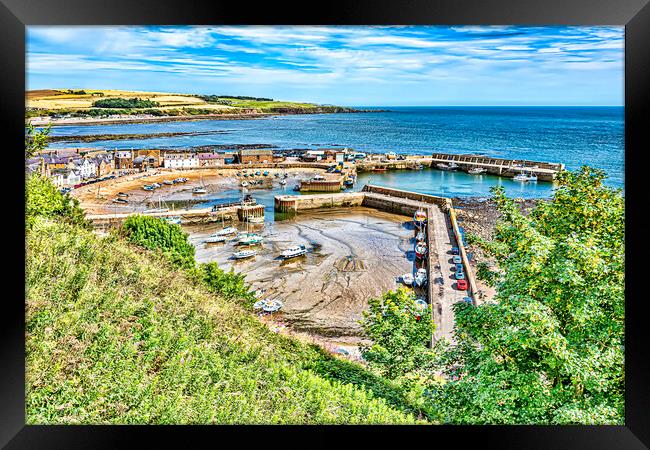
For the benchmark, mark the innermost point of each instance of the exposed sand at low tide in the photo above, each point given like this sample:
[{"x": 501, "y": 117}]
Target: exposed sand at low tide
[{"x": 354, "y": 255}]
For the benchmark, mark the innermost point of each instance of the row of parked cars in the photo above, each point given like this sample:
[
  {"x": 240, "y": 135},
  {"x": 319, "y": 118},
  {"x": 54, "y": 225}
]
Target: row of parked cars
[{"x": 459, "y": 273}]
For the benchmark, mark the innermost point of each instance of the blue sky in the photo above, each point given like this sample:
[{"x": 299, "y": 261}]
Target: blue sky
[{"x": 343, "y": 65}]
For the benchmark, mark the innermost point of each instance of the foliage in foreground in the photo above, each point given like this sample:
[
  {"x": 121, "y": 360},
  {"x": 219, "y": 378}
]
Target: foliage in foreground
[
  {"x": 156, "y": 234},
  {"x": 399, "y": 332},
  {"x": 42, "y": 198},
  {"x": 550, "y": 350},
  {"x": 116, "y": 335}
]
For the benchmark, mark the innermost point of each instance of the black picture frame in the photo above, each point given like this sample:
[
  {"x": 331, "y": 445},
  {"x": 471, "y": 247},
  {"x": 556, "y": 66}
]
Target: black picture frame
[{"x": 15, "y": 15}]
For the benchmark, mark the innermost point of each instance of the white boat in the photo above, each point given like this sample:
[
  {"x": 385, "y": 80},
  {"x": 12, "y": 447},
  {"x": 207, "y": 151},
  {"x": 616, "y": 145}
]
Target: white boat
[
  {"x": 525, "y": 177},
  {"x": 294, "y": 251},
  {"x": 318, "y": 178},
  {"x": 250, "y": 239},
  {"x": 226, "y": 231},
  {"x": 244, "y": 254},
  {"x": 176, "y": 220},
  {"x": 214, "y": 238},
  {"x": 244, "y": 183},
  {"x": 476, "y": 170},
  {"x": 421, "y": 304},
  {"x": 168, "y": 182},
  {"x": 255, "y": 219},
  {"x": 120, "y": 200},
  {"x": 420, "y": 250},
  {"x": 421, "y": 236},
  {"x": 407, "y": 279},
  {"x": 283, "y": 182},
  {"x": 450, "y": 166},
  {"x": 419, "y": 217},
  {"x": 199, "y": 190},
  {"x": 421, "y": 277},
  {"x": 155, "y": 210}
]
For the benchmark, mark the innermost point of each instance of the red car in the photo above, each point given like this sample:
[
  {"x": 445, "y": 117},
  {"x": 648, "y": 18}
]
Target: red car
[{"x": 461, "y": 285}]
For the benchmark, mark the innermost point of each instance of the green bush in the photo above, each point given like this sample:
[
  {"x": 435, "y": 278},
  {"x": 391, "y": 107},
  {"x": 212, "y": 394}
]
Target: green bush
[
  {"x": 229, "y": 285},
  {"x": 42, "y": 198},
  {"x": 156, "y": 234},
  {"x": 124, "y": 103}
]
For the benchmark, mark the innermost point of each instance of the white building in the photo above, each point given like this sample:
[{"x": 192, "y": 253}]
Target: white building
[
  {"x": 180, "y": 161},
  {"x": 87, "y": 167}
]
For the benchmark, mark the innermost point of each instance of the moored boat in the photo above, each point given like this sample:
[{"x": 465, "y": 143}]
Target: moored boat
[
  {"x": 250, "y": 239},
  {"x": 148, "y": 187},
  {"x": 450, "y": 166},
  {"x": 525, "y": 177},
  {"x": 120, "y": 200},
  {"x": 476, "y": 170},
  {"x": 244, "y": 183},
  {"x": 420, "y": 250},
  {"x": 214, "y": 238},
  {"x": 244, "y": 254},
  {"x": 168, "y": 182},
  {"x": 421, "y": 236},
  {"x": 122, "y": 194},
  {"x": 175, "y": 220},
  {"x": 294, "y": 251},
  {"x": 419, "y": 217},
  {"x": 407, "y": 279},
  {"x": 226, "y": 231},
  {"x": 421, "y": 278},
  {"x": 199, "y": 190}
]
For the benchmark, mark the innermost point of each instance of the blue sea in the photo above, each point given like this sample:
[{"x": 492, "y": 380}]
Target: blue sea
[{"x": 570, "y": 135}]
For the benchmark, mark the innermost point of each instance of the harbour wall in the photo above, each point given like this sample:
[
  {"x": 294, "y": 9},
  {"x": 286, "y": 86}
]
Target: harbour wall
[{"x": 545, "y": 171}]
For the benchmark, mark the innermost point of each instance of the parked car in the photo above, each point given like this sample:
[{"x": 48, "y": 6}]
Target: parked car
[
  {"x": 461, "y": 285},
  {"x": 457, "y": 259},
  {"x": 458, "y": 267},
  {"x": 460, "y": 275},
  {"x": 455, "y": 251}
]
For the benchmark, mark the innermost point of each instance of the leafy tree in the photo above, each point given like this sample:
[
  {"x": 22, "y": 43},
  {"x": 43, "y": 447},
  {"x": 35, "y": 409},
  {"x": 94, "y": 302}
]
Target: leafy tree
[
  {"x": 35, "y": 141},
  {"x": 124, "y": 103},
  {"x": 399, "y": 332},
  {"x": 550, "y": 348},
  {"x": 43, "y": 199},
  {"x": 229, "y": 285},
  {"x": 156, "y": 234}
]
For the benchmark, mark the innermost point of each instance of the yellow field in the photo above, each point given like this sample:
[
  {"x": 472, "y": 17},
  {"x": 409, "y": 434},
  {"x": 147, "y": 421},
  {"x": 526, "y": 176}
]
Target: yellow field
[{"x": 59, "y": 99}]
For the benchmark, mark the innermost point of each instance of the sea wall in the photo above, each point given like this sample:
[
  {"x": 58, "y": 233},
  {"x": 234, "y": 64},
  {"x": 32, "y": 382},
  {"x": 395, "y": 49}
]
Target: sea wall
[
  {"x": 293, "y": 203},
  {"x": 440, "y": 201}
]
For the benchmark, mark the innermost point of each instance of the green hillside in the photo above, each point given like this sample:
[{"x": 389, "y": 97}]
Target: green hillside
[{"x": 116, "y": 334}]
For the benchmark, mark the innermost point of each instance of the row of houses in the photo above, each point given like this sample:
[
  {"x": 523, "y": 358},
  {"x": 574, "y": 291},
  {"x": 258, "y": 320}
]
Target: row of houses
[{"x": 68, "y": 167}]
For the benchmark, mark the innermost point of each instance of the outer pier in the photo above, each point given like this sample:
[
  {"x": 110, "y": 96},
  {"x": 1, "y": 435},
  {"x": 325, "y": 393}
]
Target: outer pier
[{"x": 545, "y": 171}]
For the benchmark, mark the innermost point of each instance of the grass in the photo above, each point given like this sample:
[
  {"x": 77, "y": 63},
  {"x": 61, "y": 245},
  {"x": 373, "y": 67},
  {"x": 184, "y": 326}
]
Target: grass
[
  {"x": 116, "y": 335},
  {"x": 49, "y": 101}
]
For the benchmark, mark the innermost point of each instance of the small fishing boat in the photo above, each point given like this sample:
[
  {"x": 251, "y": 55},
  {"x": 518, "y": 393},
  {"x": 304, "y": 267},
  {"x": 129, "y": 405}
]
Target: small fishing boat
[
  {"x": 421, "y": 278},
  {"x": 525, "y": 177},
  {"x": 476, "y": 171},
  {"x": 147, "y": 187},
  {"x": 244, "y": 254},
  {"x": 407, "y": 279},
  {"x": 294, "y": 251},
  {"x": 421, "y": 236},
  {"x": 450, "y": 166},
  {"x": 168, "y": 182},
  {"x": 120, "y": 200},
  {"x": 266, "y": 173},
  {"x": 245, "y": 175},
  {"x": 156, "y": 185},
  {"x": 318, "y": 178},
  {"x": 421, "y": 304},
  {"x": 214, "y": 238},
  {"x": 250, "y": 239},
  {"x": 199, "y": 190},
  {"x": 420, "y": 250},
  {"x": 420, "y": 217},
  {"x": 258, "y": 173},
  {"x": 296, "y": 188},
  {"x": 122, "y": 194},
  {"x": 349, "y": 183},
  {"x": 226, "y": 231},
  {"x": 283, "y": 182},
  {"x": 175, "y": 220},
  {"x": 244, "y": 183}
]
